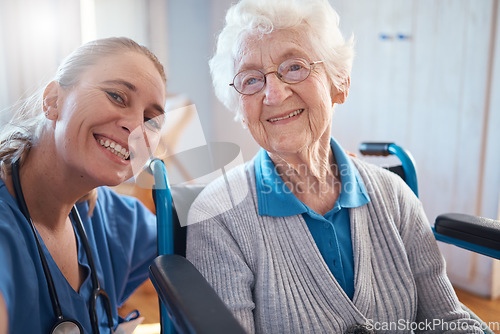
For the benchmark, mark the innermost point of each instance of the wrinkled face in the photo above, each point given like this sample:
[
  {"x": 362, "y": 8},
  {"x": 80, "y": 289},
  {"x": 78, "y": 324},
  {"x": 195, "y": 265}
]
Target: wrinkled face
[
  {"x": 286, "y": 118},
  {"x": 110, "y": 120}
]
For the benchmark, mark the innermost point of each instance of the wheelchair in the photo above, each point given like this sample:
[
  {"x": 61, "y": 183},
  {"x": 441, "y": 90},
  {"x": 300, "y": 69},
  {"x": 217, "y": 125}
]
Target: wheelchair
[{"x": 179, "y": 284}]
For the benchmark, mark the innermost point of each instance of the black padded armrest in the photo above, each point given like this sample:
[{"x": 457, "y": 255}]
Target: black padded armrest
[
  {"x": 378, "y": 149},
  {"x": 477, "y": 230},
  {"x": 193, "y": 305}
]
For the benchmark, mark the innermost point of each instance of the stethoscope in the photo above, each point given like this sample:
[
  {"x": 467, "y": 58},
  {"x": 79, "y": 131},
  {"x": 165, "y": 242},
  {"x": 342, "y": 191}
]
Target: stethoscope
[{"x": 64, "y": 325}]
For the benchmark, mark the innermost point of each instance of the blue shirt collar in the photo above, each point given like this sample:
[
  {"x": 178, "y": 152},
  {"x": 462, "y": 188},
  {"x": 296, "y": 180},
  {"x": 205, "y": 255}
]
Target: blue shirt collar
[{"x": 276, "y": 199}]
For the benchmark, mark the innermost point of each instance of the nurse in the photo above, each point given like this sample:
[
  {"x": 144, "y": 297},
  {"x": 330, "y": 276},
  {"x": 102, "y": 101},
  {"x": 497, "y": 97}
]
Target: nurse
[{"x": 72, "y": 251}]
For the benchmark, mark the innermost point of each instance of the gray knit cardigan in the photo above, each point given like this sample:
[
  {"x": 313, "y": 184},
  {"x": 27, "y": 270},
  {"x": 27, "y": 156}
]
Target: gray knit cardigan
[{"x": 273, "y": 278}]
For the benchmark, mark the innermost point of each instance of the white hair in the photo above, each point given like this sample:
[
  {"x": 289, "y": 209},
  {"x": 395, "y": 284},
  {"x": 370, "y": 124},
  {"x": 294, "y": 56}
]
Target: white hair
[{"x": 315, "y": 18}]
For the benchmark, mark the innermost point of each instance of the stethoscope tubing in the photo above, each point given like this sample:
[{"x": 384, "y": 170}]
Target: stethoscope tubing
[
  {"x": 24, "y": 209},
  {"x": 48, "y": 276}
]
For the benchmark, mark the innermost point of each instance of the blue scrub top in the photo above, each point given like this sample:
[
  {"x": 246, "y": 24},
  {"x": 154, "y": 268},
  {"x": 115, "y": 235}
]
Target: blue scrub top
[
  {"x": 331, "y": 232},
  {"x": 122, "y": 236}
]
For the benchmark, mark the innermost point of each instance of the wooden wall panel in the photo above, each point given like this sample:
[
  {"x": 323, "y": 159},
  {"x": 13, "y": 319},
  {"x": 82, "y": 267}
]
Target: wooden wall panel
[{"x": 489, "y": 199}]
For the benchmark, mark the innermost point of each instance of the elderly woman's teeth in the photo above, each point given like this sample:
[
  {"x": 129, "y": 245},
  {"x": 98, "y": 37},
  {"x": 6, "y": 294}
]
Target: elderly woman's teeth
[
  {"x": 115, "y": 148},
  {"x": 295, "y": 113}
]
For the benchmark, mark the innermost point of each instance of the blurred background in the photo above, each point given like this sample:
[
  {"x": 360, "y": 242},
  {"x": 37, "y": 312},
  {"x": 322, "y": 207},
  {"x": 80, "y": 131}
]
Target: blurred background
[{"x": 426, "y": 75}]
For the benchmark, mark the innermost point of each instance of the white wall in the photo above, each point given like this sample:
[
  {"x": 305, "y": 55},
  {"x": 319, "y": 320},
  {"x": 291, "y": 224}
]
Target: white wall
[
  {"x": 35, "y": 35},
  {"x": 4, "y": 96},
  {"x": 430, "y": 92},
  {"x": 489, "y": 199},
  {"x": 193, "y": 27},
  {"x": 142, "y": 20},
  {"x": 189, "y": 46}
]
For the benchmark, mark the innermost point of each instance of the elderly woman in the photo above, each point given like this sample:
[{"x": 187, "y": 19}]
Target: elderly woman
[
  {"x": 315, "y": 241},
  {"x": 67, "y": 265}
]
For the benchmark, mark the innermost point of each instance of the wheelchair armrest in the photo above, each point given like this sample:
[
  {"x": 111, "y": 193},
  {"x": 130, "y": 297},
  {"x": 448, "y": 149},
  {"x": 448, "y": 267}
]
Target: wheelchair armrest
[
  {"x": 376, "y": 149},
  {"x": 483, "y": 232},
  {"x": 192, "y": 304}
]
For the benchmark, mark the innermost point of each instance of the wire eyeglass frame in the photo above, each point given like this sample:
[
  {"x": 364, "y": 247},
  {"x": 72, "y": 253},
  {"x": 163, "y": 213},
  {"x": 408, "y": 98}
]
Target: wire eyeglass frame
[{"x": 282, "y": 73}]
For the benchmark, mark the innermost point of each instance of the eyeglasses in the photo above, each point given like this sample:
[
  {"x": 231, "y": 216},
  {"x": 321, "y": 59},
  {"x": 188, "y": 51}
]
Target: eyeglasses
[{"x": 290, "y": 71}]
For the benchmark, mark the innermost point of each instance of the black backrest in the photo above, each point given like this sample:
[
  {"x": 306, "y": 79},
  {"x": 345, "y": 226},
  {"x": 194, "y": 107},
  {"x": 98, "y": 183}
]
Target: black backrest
[
  {"x": 180, "y": 234},
  {"x": 182, "y": 197},
  {"x": 398, "y": 170}
]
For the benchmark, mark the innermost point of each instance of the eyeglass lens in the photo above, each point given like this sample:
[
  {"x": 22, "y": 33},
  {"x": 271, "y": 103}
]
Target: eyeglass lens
[{"x": 291, "y": 71}]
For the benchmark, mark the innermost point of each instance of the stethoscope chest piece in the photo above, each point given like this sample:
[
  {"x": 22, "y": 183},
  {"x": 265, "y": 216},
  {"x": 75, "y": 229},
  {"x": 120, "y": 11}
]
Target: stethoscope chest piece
[{"x": 67, "y": 326}]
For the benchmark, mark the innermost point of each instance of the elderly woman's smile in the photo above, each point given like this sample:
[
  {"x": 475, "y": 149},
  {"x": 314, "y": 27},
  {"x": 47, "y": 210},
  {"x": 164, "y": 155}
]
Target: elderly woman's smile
[{"x": 286, "y": 116}]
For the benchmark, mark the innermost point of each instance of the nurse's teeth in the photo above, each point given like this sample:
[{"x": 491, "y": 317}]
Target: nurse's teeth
[
  {"x": 295, "y": 113},
  {"x": 115, "y": 148}
]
